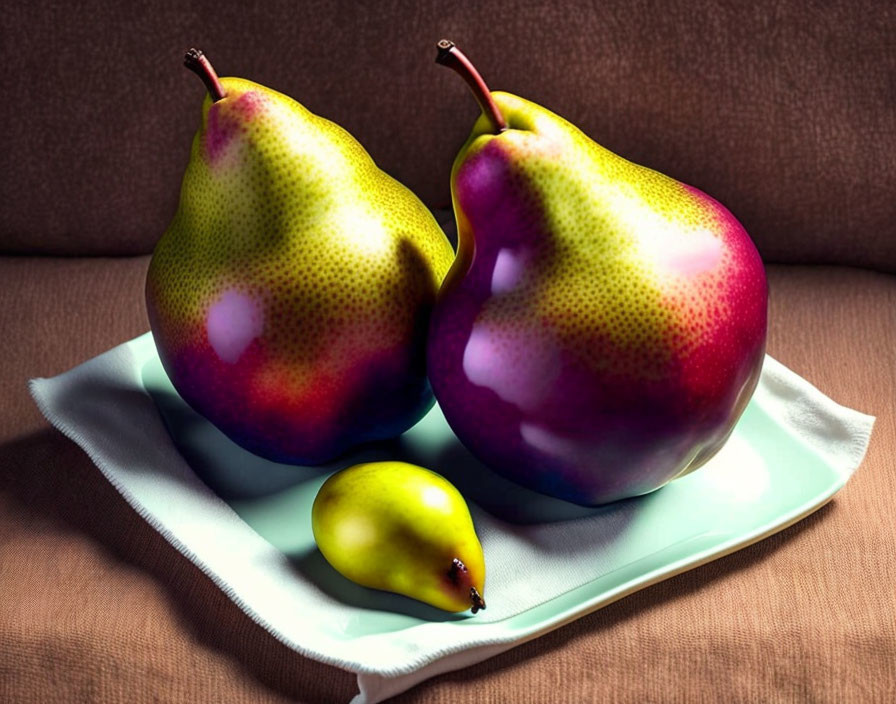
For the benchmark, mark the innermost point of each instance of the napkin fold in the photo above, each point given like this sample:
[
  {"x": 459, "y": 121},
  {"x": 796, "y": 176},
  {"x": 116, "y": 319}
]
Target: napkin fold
[{"x": 793, "y": 449}]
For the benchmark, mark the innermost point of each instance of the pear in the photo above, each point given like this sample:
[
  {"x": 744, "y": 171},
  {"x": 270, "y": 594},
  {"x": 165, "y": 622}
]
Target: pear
[
  {"x": 289, "y": 298},
  {"x": 401, "y": 528},
  {"x": 603, "y": 326}
]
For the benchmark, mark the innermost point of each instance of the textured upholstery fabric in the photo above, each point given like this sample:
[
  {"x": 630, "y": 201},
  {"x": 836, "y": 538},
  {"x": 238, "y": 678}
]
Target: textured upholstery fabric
[
  {"x": 97, "y": 607},
  {"x": 784, "y": 111}
]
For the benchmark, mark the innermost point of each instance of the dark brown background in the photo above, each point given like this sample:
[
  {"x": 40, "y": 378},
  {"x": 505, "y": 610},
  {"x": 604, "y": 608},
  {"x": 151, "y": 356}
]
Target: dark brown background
[{"x": 783, "y": 111}]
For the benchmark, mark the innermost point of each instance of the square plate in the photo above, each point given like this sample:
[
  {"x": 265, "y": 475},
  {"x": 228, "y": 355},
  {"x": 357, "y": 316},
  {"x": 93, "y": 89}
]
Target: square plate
[{"x": 246, "y": 521}]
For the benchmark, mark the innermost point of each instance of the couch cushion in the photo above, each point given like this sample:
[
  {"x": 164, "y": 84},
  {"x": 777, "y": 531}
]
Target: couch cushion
[
  {"x": 783, "y": 112},
  {"x": 96, "y": 606}
]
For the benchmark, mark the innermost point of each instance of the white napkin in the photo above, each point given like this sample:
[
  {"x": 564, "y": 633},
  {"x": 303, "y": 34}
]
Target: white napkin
[{"x": 793, "y": 449}]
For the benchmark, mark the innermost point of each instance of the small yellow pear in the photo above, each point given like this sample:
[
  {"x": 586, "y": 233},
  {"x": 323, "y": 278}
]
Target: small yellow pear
[{"x": 404, "y": 529}]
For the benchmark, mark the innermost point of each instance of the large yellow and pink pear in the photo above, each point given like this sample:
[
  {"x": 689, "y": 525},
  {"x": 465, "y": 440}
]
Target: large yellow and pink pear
[{"x": 290, "y": 296}]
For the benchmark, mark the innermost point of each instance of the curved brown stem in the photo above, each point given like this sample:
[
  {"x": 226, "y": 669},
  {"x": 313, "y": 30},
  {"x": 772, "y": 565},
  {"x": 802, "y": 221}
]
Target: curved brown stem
[
  {"x": 196, "y": 61},
  {"x": 458, "y": 575},
  {"x": 452, "y": 57},
  {"x": 478, "y": 603}
]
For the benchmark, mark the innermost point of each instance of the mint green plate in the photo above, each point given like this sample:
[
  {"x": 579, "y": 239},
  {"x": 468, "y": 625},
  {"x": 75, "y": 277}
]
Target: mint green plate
[
  {"x": 246, "y": 524},
  {"x": 548, "y": 562},
  {"x": 784, "y": 482}
]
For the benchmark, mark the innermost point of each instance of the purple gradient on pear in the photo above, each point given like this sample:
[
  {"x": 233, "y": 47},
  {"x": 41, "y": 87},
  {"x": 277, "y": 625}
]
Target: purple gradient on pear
[
  {"x": 228, "y": 371},
  {"x": 550, "y": 417}
]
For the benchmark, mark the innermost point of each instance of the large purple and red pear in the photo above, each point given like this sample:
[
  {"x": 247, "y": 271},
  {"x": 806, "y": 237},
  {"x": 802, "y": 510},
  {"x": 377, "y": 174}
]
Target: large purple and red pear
[{"x": 603, "y": 326}]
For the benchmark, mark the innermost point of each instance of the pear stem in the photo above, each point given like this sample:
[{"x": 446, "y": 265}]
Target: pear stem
[
  {"x": 477, "y": 603},
  {"x": 477, "y": 600},
  {"x": 197, "y": 62},
  {"x": 452, "y": 57}
]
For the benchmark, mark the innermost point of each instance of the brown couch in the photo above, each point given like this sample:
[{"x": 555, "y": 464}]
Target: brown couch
[{"x": 785, "y": 112}]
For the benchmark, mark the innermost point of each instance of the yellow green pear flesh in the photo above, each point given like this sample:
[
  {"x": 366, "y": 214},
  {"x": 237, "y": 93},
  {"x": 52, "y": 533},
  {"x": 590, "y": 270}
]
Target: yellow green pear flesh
[{"x": 400, "y": 528}]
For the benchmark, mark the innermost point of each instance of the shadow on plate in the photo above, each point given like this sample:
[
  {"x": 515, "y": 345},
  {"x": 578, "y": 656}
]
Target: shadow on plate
[{"x": 236, "y": 474}]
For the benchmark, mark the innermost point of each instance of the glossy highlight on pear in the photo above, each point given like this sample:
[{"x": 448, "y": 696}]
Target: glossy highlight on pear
[
  {"x": 289, "y": 298},
  {"x": 401, "y": 528},
  {"x": 603, "y": 325}
]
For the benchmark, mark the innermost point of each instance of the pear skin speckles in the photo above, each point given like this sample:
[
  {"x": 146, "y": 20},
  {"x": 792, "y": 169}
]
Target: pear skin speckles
[
  {"x": 325, "y": 266},
  {"x": 604, "y": 324},
  {"x": 586, "y": 273}
]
